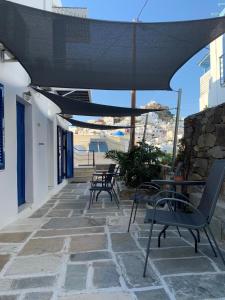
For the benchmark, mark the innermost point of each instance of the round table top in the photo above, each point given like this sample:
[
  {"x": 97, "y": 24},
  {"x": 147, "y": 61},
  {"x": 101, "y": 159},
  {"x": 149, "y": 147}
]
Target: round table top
[{"x": 178, "y": 182}]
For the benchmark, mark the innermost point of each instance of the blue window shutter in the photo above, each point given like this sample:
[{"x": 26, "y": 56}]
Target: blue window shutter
[{"x": 2, "y": 153}]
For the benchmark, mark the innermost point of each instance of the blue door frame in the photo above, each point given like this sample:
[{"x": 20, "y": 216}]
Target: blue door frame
[
  {"x": 65, "y": 154},
  {"x": 20, "y": 110}
]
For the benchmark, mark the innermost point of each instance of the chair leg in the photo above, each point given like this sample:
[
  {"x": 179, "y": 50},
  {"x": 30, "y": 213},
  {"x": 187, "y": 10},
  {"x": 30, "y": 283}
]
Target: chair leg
[
  {"x": 131, "y": 215},
  {"x": 163, "y": 232},
  {"x": 93, "y": 197},
  {"x": 195, "y": 239},
  {"x": 217, "y": 247},
  {"x": 98, "y": 196},
  {"x": 178, "y": 230},
  {"x": 148, "y": 249},
  {"x": 135, "y": 213},
  {"x": 110, "y": 194},
  {"x": 198, "y": 235},
  {"x": 210, "y": 242},
  {"x": 116, "y": 198},
  {"x": 90, "y": 200}
]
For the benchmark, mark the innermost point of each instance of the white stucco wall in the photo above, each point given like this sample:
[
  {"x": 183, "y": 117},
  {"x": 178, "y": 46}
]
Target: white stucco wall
[
  {"x": 41, "y": 142},
  {"x": 41, "y": 4},
  {"x": 214, "y": 93}
]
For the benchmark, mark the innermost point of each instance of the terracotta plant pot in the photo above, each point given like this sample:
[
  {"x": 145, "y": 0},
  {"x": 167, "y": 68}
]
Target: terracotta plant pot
[{"x": 178, "y": 178}]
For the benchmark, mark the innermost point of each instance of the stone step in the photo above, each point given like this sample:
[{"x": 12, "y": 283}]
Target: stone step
[{"x": 80, "y": 179}]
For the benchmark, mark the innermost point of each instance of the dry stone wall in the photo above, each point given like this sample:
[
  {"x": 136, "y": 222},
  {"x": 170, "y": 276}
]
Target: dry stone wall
[{"x": 204, "y": 135}]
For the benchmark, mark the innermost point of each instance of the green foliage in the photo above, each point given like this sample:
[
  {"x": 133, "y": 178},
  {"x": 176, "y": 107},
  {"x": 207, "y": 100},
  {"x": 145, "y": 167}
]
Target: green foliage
[
  {"x": 181, "y": 153},
  {"x": 142, "y": 163},
  {"x": 167, "y": 159}
]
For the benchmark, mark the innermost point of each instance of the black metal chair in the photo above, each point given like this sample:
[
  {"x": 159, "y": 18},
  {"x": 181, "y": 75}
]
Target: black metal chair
[
  {"x": 143, "y": 195},
  {"x": 199, "y": 218},
  {"x": 105, "y": 184}
]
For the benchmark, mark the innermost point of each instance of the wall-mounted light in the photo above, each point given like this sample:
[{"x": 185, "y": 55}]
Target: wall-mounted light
[{"x": 27, "y": 96}]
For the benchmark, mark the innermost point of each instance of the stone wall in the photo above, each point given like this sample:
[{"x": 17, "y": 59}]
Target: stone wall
[{"x": 204, "y": 135}]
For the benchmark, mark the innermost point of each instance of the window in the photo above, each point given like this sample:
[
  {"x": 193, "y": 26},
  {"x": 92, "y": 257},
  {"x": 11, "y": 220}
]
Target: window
[
  {"x": 98, "y": 146},
  {"x": 2, "y": 152}
]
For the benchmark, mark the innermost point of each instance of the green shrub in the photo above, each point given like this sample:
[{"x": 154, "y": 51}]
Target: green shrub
[{"x": 142, "y": 163}]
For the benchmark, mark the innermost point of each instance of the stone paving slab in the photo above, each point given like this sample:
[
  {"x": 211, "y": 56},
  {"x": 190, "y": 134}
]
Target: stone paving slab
[
  {"x": 168, "y": 242},
  {"x": 105, "y": 275},
  {"x": 3, "y": 260},
  {"x": 100, "y": 296},
  {"x": 193, "y": 287},
  {"x": 123, "y": 242},
  {"x": 9, "y": 248},
  {"x": 102, "y": 210},
  {"x": 88, "y": 243},
  {"x": 69, "y": 232},
  {"x": 76, "y": 276},
  {"x": 187, "y": 265},
  {"x": 132, "y": 265},
  {"x": 100, "y": 215},
  {"x": 60, "y": 213},
  {"x": 40, "y": 213},
  {"x": 90, "y": 256},
  {"x": 34, "y": 265},
  {"x": 42, "y": 246},
  {"x": 176, "y": 252},
  {"x": 145, "y": 234},
  {"x": 158, "y": 294},
  {"x": 38, "y": 296},
  {"x": 27, "y": 283},
  {"x": 217, "y": 260},
  {"x": 76, "y": 206},
  {"x": 9, "y": 297},
  {"x": 14, "y": 237},
  {"x": 56, "y": 223}
]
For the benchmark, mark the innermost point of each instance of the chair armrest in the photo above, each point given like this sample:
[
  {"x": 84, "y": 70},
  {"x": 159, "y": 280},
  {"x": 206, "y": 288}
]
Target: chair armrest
[
  {"x": 180, "y": 201},
  {"x": 173, "y": 193},
  {"x": 152, "y": 184}
]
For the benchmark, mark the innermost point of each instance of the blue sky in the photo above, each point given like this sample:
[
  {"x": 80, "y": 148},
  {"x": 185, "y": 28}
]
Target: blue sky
[{"x": 187, "y": 77}]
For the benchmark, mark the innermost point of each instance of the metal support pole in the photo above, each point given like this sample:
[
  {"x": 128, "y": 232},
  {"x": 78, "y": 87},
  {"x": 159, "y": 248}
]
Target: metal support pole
[
  {"x": 133, "y": 92},
  {"x": 145, "y": 129},
  {"x": 176, "y": 126},
  {"x": 93, "y": 158}
]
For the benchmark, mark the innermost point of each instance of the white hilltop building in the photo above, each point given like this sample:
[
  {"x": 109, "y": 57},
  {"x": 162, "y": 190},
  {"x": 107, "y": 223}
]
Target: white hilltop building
[
  {"x": 212, "y": 82},
  {"x": 33, "y": 139},
  {"x": 159, "y": 132}
]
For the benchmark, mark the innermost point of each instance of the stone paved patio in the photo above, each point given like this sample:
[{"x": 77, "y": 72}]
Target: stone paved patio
[{"x": 64, "y": 251}]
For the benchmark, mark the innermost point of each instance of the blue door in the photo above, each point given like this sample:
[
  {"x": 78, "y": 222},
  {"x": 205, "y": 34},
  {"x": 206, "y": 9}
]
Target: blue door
[
  {"x": 20, "y": 109},
  {"x": 69, "y": 154}
]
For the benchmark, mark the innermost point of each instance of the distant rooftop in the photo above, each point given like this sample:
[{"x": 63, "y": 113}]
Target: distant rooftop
[{"x": 80, "y": 12}]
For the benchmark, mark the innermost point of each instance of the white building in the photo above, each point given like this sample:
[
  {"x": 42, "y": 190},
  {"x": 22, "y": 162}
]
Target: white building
[
  {"x": 212, "y": 82},
  {"x": 33, "y": 164}
]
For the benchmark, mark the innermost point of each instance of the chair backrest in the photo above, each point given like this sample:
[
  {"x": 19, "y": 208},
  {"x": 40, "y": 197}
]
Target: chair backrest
[
  {"x": 212, "y": 189},
  {"x": 111, "y": 170}
]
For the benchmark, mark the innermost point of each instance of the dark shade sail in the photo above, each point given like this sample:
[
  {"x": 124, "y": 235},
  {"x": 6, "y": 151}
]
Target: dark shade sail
[
  {"x": 76, "y": 107},
  {"x": 63, "y": 51},
  {"x": 93, "y": 126}
]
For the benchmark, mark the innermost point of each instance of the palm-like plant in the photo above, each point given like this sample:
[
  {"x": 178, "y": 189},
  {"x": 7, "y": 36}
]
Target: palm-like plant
[{"x": 142, "y": 163}]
